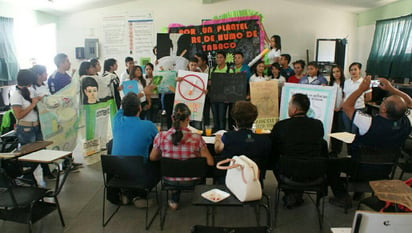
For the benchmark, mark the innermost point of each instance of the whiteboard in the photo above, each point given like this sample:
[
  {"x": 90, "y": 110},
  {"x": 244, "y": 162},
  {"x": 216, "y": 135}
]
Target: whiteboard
[{"x": 326, "y": 51}]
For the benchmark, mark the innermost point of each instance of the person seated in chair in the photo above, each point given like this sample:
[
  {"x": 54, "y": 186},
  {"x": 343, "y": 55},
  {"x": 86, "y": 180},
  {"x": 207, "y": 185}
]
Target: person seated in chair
[
  {"x": 298, "y": 136},
  {"x": 243, "y": 141},
  {"x": 387, "y": 131},
  {"x": 180, "y": 143},
  {"x": 133, "y": 136}
]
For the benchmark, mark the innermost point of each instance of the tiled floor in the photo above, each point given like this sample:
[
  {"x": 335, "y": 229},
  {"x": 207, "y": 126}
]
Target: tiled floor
[{"x": 81, "y": 201}]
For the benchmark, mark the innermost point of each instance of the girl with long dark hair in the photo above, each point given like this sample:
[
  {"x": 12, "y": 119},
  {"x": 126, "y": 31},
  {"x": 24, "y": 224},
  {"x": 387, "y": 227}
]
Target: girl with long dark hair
[{"x": 180, "y": 143}]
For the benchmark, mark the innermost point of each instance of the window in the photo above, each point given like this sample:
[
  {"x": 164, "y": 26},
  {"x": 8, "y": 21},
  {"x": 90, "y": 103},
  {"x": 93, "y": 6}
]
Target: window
[{"x": 391, "y": 52}]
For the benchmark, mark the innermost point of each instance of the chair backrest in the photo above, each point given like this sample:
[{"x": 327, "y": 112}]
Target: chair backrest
[
  {"x": 374, "y": 163},
  {"x": 378, "y": 156},
  {"x": 124, "y": 167},
  {"x": 194, "y": 167},
  {"x": 6, "y": 191},
  {"x": 302, "y": 169}
]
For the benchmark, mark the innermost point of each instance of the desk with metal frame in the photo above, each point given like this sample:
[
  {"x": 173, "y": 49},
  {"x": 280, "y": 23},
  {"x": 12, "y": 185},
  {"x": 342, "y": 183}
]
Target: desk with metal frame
[
  {"x": 231, "y": 201},
  {"x": 51, "y": 157}
]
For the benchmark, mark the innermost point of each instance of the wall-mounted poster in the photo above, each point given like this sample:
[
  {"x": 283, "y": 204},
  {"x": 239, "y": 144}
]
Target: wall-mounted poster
[{"x": 238, "y": 33}]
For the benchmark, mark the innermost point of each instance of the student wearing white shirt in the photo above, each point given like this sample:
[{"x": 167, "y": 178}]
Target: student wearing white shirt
[
  {"x": 351, "y": 85},
  {"x": 258, "y": 75},
  {"x": 129, "y": 65},
  {"x": 39, "y": 87},
  {"x": 337, "y": 79},
  {"x": 275, "y": 48}
]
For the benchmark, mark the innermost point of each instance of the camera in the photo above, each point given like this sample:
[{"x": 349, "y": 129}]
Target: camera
[{"x": 374, "y": 83}]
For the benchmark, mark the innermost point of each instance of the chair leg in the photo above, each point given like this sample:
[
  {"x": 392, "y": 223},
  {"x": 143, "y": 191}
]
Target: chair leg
[
  {"x": 59, "y": 210},
  {"x": 276, "y": 206},
  {"x": 401, "y": 175},
  {"x": 104, "y": 207},
  {"x": 164, "y": 208},
  {"x": 30, "y": 225},
  {"x": 148, "y": 224}
]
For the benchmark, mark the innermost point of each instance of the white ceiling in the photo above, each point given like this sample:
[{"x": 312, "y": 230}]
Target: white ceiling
[{"x": 59, "y": 7}]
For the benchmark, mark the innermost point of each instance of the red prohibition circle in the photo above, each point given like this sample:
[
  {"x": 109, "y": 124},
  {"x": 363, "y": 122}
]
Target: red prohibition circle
[{"x": 201, "y": 87}]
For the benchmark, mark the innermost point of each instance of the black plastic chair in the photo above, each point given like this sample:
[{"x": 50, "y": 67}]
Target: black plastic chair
[
  {"x": 194, "y": 167},
  {"x": 126, "y": 172},
  {"x": 23, "y": 204},
  {"x": 307, "y": 175},
  {"x": 209, "y": 229},
  {"x": 372, "y": 163},
  {"x": 406, "y": 165}
]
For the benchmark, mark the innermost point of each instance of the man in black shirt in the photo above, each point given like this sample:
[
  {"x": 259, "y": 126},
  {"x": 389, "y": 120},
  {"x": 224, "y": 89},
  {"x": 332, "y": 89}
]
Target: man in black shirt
[{"x": 298, "y": 136}]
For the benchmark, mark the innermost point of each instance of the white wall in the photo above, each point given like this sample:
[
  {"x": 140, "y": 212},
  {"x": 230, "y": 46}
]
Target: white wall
[
  {"x": 365, "y": 39},
  {"x": 28, "y": 25},
  {"x": 299, "y": 25}
]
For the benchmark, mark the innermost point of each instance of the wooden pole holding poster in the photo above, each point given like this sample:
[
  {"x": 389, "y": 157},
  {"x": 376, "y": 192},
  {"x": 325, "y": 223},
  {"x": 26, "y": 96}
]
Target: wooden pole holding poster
[{"x": 265, "y": 96}]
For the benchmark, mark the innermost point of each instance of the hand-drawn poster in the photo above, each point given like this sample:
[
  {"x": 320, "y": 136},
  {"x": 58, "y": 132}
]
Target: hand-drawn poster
[
  {"x": 322, "y": 102},
  {"x": 229, "y": 35},
  {"x": 95, "y": 117},
  {"x": 166, "y": 81},
  {"x": 59, "y": 119},
  {"x": 190, "y": 90},
  {"x": 130, "y": 86},
  {"x": 265, "y": 96},
  {"x": 228, "y": 87},
  {"x": 97, "y": 125}
]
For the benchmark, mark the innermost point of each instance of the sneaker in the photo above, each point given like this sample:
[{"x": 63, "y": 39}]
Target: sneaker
[
  {"x": 141, "y": 202},
  {"x": 51, "y": 176},
  {"x": 173, "y": 205},
  {"x": 124, "y": 199}
]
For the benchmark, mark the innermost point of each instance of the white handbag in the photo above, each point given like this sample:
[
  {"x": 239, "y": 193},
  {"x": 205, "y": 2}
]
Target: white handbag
[{"x": 242, "y": 178}]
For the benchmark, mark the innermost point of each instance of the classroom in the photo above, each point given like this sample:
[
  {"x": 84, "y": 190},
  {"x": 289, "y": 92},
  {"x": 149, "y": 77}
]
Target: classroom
[{"x": 84, "y": 118}]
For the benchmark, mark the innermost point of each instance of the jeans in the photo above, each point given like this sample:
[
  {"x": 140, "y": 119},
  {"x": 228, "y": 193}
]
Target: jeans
[
  {"x": 219, "y": 115},
  {"x": 176, "y": 193},
  {"x": 153, "y": 113},
  {"x": 206, "y": 111},
  {"x": 28, "y": 134},
  {"x": 337, "y": 126}
]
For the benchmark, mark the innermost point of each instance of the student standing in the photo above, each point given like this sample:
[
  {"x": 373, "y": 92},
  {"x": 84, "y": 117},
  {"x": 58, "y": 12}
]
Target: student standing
[
  {"x": 337, "y": 79},
  {"x": 109, "y": 84},
  {"x": 298, "y": 68},
  {"x": 285, "y": 70},
  {"x": 25, "y": 110},
  {"x": 204, "y": 68},
  {"x": 60, "y": 78},
  {"x": 137, "y": 74},
  {"x": 275, "y": 48},
  {"x": 313, "y": 77},
  {"x": 152, "y": 113},
  {"x": 219, "y": 109},
  {"x": 350, "y": 86},
  {"x": 129, "y": 65},
  {"x": 258, "y": 75}
]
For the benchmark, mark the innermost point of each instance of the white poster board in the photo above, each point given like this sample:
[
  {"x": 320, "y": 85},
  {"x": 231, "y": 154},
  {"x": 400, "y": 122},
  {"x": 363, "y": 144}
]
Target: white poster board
[
  {"x": 190, "y": 91},
  {"x": 322, "y": 103}
]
